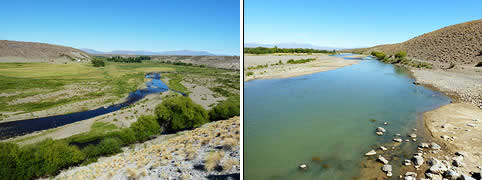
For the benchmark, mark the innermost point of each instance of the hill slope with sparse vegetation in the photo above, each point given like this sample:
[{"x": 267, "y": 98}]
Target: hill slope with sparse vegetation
[
  {"x": 17, "y": 51},
  {"x": 459, "y": 44}
]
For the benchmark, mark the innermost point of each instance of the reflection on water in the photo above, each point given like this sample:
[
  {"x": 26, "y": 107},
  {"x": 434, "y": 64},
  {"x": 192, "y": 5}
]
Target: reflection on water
[
  {"x": 323, "y": 120},
  {"x": 16, "y": 128}
]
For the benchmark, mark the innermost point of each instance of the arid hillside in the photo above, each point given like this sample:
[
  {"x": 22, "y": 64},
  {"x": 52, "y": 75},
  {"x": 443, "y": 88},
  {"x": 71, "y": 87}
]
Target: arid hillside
[
  {"x": 459, "y": 44},
  {"x": 17, "y": 51}
]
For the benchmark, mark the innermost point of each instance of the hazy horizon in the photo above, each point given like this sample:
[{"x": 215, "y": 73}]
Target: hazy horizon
[
  {"x": 211, "y": 26},
  {"x": 336, "y": 24}
]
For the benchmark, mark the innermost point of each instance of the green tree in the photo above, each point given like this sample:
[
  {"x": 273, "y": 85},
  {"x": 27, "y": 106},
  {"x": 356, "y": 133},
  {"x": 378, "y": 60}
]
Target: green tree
[{"x": 180, "y": 113}]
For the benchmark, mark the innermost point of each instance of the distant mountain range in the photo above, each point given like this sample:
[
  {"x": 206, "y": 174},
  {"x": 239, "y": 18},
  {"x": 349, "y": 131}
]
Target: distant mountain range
[
  {"x": 128, "y": 52},
  {"x": 290, "y": 45}
]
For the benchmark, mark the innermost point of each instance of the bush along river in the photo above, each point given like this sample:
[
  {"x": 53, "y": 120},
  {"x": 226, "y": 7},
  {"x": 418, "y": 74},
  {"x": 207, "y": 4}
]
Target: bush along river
[
  {"x": 22, "y": 127},
  {"x": 327, "y": 121}
]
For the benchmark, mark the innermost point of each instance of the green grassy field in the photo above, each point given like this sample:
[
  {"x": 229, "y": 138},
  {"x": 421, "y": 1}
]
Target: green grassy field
[{"x": 114, "y": 82}]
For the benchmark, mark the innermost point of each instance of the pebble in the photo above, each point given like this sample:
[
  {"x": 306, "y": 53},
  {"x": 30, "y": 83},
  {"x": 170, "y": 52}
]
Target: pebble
[
  {"x": 371, "y": 153},
  {"x": 380, "y": 129}
]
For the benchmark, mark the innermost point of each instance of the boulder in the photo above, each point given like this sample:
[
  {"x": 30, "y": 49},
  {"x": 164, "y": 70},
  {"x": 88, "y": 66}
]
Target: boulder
[
  {"x": 383, "y": 148},
  {"x": 397, "y": 140},
  {"x": 461, "y": 153},
  {"x": 413, "y": 174},
  {"x": 379, "y": 133},
  {"x": 303, "y": 167},
  {"x": 407, "y": 162},
  {"x": 413, "y": 135},
  {"x": 466, "y": 177}
]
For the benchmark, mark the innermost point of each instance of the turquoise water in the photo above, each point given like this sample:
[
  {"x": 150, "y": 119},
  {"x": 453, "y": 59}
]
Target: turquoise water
[{"x": 327, "y": 115}]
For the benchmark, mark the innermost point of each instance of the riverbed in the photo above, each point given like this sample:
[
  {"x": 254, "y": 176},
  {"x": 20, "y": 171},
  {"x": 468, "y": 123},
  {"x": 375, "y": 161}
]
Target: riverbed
[
  {"x": 327, "y": 120},
  {"x": 22, "y": 127}
]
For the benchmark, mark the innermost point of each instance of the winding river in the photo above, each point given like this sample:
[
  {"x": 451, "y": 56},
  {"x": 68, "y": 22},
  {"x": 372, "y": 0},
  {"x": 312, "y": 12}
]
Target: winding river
[
  {"x": 327, "y": 120},
  {"x": 22, "y": 127}
]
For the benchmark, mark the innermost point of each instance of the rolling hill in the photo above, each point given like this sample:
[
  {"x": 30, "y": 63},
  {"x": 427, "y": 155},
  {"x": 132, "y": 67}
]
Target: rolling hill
[{"x": 17, "y": 51}]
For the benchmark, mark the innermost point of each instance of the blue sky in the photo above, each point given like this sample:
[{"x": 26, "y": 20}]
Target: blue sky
[
  {"x": 157, "y": 25},
  {"x": 351, "y": 23}
]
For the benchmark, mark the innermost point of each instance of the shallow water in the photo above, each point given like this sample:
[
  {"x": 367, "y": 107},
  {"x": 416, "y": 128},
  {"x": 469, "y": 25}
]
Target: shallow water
[
  {"x": 323, "y": 119},
  {"x": 16, "y": 128}
]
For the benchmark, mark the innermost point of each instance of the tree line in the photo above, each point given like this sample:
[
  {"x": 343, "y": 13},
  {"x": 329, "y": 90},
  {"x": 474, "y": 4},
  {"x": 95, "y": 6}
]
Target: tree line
[{"x": 265, "y": 50}]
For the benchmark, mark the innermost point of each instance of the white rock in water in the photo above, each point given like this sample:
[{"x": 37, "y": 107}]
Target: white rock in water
[
  {"x": 371, "y": 153},
  {"x": 406, "y": 140},
  {"x": 379, "y": 133},
  {"x": 423, "y": 145},
  {"x": 383, "y": 148},
  {"x": 435, "y": 146},
  {"x": 303, "y": 166},
  {"x": 413, "y": 135},
  {"x": 380, "y": 129},
  {"x": 397, "y": 134},
  {"x": 385, "y": 123},
  {"x": 382, "y": 159},
  {"x": 387, "y": 168},
  {"x": 414, "y": 140},
  {"x": 397, "y": 140}
]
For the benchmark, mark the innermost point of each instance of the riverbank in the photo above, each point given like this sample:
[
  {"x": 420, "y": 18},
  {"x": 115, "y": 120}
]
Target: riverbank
[
  {"x": 276, "y": 66},
  {"x": 456, "y": 126},
  {"x": 169, "y": 156}
]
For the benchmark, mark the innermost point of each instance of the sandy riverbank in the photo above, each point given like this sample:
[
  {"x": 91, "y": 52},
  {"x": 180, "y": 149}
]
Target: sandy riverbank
[
  {"x": 456, "y": 126},
  {"x": 273, "y": 70}
]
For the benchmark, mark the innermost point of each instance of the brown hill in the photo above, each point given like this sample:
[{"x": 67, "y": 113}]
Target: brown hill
[
  {"x": 17, "y": 51},
  {"x": 458, "y": 44}
]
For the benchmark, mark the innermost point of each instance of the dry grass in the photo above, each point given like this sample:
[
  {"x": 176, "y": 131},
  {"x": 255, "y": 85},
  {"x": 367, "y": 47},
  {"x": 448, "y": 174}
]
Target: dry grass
[
  {"x": 213, "y": 160},
  {"x": 229, "y": 164},
  {"x": 230, "y": 143}
]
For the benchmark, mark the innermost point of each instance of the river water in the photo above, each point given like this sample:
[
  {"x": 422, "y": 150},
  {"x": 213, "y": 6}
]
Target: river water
[
  {"x": 16, "y": 128},
  {"x": 327, "y": 120}
]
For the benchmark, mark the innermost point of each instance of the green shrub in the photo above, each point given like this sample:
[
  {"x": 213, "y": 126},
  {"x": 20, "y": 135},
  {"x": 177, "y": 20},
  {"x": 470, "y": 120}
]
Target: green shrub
[
  {"x": 249, "y": 73},
  {"x": 300, "y": 61},
  {"x": 145, "y": 127},
  {"x": 401, "y": 55},
  {"x": 109, "y": 146},
  {"x": 98, "y": 62},
  {"x": 9, "y": 154},
  {"x": 378, "y": 55},
  {"x": 180, "y": 113},
  {"x": 225, "y": 109}
]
